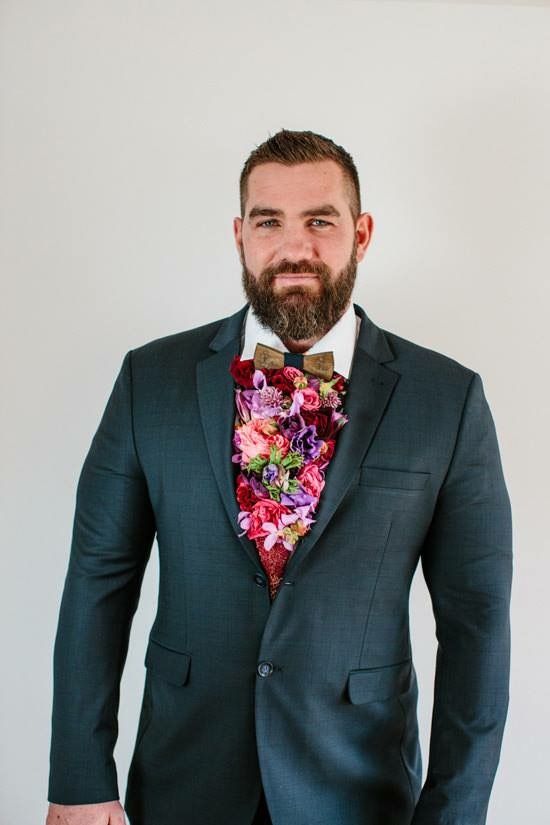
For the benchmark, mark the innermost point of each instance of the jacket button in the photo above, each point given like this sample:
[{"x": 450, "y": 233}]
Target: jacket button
[
  {"x": 259, "y": 579},
  {"x": 265, "y": 669}
]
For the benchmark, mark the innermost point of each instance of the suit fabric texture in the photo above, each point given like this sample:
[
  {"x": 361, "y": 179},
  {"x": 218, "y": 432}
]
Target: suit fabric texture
[{"x": 330, "y": 730}]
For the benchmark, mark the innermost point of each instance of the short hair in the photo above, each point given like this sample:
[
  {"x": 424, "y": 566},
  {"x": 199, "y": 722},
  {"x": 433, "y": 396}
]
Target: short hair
[{"x": 291, "y": 148}]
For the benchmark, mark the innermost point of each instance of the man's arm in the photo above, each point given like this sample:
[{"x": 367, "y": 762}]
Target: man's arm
[
  {"x": 113, "y": 532},
  {"x": 467, "y": 564}
]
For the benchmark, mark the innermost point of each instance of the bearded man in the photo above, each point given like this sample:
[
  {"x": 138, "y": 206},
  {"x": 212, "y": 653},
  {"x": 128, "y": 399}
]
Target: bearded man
[{"x": 295, "y": 463}]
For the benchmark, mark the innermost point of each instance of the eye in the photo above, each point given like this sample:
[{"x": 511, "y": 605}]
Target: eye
[
  {"x": 268, "y": 221},
  {"x": 320, "y": 222}
]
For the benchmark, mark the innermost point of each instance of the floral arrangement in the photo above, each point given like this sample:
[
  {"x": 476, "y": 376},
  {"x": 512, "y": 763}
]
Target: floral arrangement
[{"x": 285, "y": 433}]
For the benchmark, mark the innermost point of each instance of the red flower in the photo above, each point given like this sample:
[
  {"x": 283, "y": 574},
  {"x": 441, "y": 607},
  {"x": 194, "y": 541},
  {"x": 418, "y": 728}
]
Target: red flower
[
  {"x": 245, "y": 494},
  {"x": 327, "y": 451},
  {"x": 266, "y": 510},
  {"x": 321, "y": 420},
  {"x": 282, "y": 382},
  {"x": 340, "y": 385},
  {"x": 242, "y": 371}
]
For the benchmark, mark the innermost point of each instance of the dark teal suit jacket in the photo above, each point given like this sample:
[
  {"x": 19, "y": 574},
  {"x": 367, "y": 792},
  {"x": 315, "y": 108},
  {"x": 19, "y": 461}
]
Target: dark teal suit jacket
[{"x": 330, "y": 730}]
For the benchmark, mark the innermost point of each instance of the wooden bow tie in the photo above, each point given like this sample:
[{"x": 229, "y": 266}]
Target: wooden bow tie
[{"x": 321, "y": 364}]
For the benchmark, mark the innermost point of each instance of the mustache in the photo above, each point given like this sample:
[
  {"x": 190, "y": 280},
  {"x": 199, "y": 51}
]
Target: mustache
[{"x": 295, "y": 268}]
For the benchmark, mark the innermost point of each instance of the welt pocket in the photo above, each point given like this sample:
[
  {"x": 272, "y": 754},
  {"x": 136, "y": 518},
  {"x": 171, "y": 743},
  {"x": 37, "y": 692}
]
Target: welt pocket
[
  {"x": 392, "y": 479},
  {"x": 172, "y": 665},
  {"x": 376, "y": 684}
]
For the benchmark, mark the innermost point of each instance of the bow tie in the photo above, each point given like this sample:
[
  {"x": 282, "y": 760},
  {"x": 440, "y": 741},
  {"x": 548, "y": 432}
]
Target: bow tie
[{"x": 321, "y": 364}]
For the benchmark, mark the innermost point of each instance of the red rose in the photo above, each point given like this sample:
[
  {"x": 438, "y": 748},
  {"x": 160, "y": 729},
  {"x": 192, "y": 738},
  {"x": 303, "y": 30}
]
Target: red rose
[
  {"x": 242, "y": 371},
  {"x": 245, "y": 494},
  {"x": 282, "y": 382}
]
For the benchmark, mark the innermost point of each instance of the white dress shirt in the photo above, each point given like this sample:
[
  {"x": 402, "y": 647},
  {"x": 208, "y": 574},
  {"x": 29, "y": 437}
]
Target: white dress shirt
[{"x": 340, "y": 339}]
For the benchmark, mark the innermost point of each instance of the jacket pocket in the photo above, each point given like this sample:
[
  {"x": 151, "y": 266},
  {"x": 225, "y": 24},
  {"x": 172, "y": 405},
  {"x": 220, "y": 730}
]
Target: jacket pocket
[
  {"x": 376, "y": 684},
  {"x": 392, "y": 479},
  {"x": 172, "y": 665}
]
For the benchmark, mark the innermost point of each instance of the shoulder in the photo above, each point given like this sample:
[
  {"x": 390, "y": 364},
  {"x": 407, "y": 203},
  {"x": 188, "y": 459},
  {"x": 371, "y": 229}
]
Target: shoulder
[
  {"x": 195, "y": 339},
  {"x": 178, "y": 350},
  {"x": 158, "y": 363},
  {"x": 408, "y": 358},
  {"x": 435, "y": 379},
  {"x": 412, "y": 356}
]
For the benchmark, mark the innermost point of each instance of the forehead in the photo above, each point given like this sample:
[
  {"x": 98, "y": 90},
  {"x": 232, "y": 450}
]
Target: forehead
[{"x": 303, "y": 184}]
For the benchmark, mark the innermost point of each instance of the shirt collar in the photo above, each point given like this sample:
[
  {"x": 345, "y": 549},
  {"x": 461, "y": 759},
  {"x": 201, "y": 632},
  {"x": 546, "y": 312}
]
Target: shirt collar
[{"x": 340, "y": 339}]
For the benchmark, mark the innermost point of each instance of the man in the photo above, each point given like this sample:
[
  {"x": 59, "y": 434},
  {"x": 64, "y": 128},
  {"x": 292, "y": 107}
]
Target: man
[{"x": 280, "y": 686}]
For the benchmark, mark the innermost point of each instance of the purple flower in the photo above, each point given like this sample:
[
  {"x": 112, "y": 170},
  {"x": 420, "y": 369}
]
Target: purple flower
[
  {"x": 301, "y": 513},
  {"x": 266, "y": 402},
  {"x": 297, "y": 401},
  {"x": 242, "y": 402},
  {"x": 305, "y": 441},
  {"x": 270, "y": 473},
  {"x": 298, "y": 499},
  {"x": 339, "y": 419},
  {"x": 290, "y": 424},
  {"x": 244, "y": 521},
  {"x": 258, "y": 488},
  {"x": 259, "y": 380}
]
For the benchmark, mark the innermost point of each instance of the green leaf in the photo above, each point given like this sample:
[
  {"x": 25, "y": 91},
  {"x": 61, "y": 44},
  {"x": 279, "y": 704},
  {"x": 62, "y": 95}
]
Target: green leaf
[
  {"x": 292, "y": 460},
  {"x": 256, "y": 464}
]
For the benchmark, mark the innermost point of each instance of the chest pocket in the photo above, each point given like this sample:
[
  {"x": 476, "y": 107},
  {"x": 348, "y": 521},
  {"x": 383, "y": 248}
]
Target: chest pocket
[{"x": 389, "y": 479}]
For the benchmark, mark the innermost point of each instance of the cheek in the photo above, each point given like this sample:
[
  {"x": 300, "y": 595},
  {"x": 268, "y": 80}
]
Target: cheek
[
  {"x": 334, "y": 253},
  {"x": 258, "y": 253}
]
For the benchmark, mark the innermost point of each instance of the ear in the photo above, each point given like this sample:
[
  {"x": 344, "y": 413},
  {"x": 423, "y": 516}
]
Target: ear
[
  {"x": 363, "y": 234},
  {"x": 238, "y": 236},
  {"x": 238, "y": 230}
]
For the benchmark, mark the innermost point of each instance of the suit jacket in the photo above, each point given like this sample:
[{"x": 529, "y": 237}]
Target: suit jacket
[{"x": 312, "y": 696}]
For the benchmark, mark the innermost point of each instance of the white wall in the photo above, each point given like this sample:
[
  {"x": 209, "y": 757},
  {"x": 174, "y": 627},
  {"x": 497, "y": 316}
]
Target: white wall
[{"x": 124, "y": 126}]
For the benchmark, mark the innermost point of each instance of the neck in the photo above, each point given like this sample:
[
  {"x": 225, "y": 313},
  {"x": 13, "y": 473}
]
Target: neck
[{"x": 300, "y": 346}]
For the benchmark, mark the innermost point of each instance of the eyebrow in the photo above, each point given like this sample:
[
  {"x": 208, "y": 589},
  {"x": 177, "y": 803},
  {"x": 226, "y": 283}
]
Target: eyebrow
[{"x": 327, "y": 209}]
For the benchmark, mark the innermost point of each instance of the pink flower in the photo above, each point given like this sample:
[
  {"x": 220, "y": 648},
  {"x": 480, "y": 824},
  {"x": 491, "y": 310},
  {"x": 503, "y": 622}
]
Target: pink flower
[
  {"x": 279, "y": 441},
  {"x": 311, "y": 400},
  {"x": 296, "y": 376},
  {"x": 254, "y": 438},
  {"x": 288, "y": 530},
  {"x": 311, "y": 479}
]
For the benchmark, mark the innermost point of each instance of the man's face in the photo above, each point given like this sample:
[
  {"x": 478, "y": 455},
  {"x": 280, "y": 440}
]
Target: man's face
[{"x": 299, "y": 247}]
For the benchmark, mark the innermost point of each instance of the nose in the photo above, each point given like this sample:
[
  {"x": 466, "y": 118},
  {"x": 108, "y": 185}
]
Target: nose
[{"x": 295, "y": 245}]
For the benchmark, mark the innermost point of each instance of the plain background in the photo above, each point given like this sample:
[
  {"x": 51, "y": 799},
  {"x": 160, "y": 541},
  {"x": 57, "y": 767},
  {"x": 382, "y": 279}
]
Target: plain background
[{"x": 124, "y": 126}]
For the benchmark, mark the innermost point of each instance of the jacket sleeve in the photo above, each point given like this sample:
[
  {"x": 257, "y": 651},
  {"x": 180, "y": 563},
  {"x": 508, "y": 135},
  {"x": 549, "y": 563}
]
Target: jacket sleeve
[
  {"x": 113, "y": 533},
  {"x": 467, "y": 564}
]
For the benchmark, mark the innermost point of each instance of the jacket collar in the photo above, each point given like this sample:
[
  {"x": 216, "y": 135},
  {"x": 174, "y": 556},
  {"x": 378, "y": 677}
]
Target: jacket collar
[{"x": 371, "y": 339}]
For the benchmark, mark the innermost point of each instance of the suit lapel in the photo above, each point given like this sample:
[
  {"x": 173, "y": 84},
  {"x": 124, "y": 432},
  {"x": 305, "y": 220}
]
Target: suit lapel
[
  {"x": 370, "y": 389},
  {"x": 216, "y": 397}
]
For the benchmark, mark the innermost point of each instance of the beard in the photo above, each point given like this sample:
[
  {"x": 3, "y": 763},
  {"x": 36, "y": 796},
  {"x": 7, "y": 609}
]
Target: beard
[{"x": 297, "y": 312}]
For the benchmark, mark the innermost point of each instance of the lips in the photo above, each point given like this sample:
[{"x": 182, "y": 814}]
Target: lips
[{"x": 291, "y": 276}]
